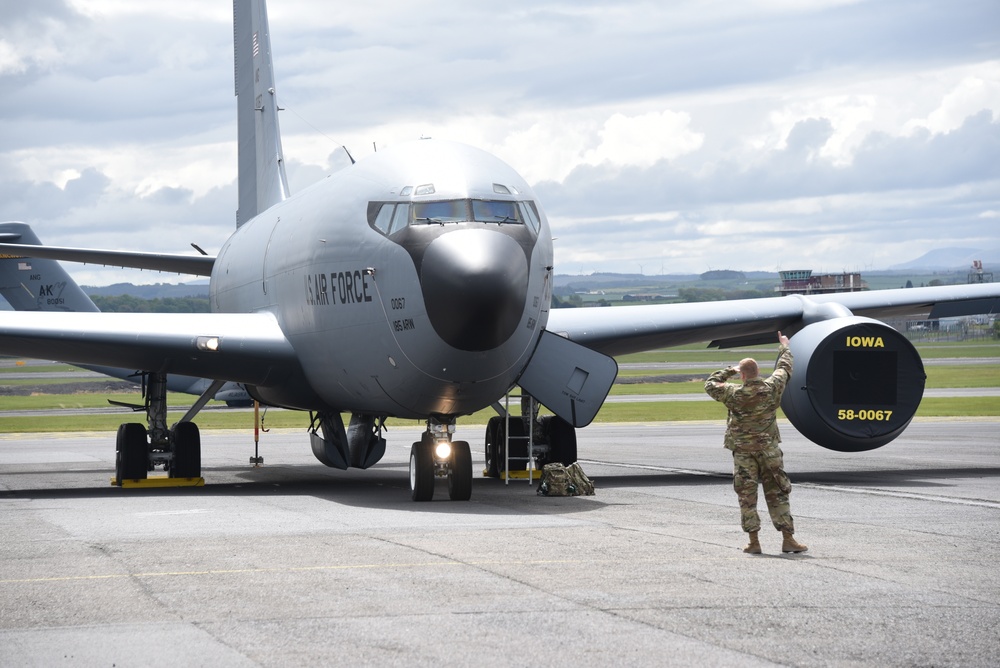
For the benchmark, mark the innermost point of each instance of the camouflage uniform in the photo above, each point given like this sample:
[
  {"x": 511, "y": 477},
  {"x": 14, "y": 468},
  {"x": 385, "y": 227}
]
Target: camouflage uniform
[{"x": 752, "y": 435}]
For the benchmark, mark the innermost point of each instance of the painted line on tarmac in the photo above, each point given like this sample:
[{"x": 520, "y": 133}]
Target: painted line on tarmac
[
  {"x": 834, "y": 488},
  {"x": 662, "y": 469},
  {"x": 903, "y": 495}
]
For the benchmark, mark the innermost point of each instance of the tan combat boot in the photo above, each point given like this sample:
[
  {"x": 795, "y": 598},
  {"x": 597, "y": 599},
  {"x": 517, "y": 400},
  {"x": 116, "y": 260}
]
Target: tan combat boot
[
  {"x": 789, "y": 544},
  {"x": 754, "y": 546}
]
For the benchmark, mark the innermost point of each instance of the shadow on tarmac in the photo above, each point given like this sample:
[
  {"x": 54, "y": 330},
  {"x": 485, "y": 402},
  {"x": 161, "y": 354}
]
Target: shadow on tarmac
[
  {"x": 387, "y": 486},
  {"x": 381, "y": 487}
]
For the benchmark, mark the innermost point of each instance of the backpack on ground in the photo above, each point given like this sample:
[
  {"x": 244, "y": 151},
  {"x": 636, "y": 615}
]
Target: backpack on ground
[
  {"x": 561, "y": 480},
  {"x": 584, "y": 485}
]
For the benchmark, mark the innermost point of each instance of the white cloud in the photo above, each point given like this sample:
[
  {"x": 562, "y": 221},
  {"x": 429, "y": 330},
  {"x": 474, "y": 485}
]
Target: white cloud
[
  {"x": 972, "y": 93},
  {"x": 820, "y": 133},
  {"x": 645, "y": 139},
  {"x": 188, "y": 10}
]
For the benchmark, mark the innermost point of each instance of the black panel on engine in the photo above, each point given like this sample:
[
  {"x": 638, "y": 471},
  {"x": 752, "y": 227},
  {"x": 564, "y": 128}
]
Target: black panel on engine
[
  {"x": 864, "y": 377},
  {"x": 856, "y": 384}
]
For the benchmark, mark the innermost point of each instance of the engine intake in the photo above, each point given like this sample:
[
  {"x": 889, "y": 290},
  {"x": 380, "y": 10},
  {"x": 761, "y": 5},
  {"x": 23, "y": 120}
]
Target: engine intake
[{"x": 856, "y": 384}]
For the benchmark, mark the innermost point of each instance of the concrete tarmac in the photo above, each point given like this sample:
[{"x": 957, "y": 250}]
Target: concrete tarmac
[{"x": 293, "y": 563}]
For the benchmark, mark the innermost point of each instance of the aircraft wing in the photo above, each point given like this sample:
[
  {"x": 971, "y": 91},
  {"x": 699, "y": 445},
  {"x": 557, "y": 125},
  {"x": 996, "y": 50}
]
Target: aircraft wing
[
  {"x": 197, "y": 265},
  {"x": 241, "y": 347},
  {"x": 628, "y": 329}
]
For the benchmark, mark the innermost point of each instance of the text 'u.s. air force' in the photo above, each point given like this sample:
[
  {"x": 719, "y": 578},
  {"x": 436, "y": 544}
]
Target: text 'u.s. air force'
[{"x": 340, "y": 287}]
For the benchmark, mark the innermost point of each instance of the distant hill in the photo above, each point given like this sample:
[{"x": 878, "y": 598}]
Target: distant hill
[
  {"x": 605, "y": 280},
  {"x": 953, "y": 259}
]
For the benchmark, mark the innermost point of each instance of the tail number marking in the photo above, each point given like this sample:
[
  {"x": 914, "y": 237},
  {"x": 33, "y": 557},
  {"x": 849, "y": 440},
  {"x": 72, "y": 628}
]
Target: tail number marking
[{"x": 864, "y": 414}]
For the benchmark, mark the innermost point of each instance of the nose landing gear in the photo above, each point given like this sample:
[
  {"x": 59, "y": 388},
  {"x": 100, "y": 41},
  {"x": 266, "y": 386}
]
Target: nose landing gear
[{"x": 434, "y": 456}]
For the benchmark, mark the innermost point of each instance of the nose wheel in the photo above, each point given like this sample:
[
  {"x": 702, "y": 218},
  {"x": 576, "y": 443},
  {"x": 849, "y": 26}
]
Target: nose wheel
[
  {"x": 460, "y": 477},
  {"x": 422, "y": 469},
  {"x": 433, "y": 457}
]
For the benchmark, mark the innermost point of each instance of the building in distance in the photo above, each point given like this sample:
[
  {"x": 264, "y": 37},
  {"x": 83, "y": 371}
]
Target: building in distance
[{"x": 803, "y": 282}]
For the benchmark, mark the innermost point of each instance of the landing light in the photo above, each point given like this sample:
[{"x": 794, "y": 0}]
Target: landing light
[
  {"x": 442, "y": 450},
  {"x": 208, "y": 344}
]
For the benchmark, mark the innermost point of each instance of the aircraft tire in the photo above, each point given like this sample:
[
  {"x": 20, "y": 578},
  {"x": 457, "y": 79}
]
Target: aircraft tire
[
  {"x": 460, "y": 479},
  {"x": 493, "y": 447},
  {"x": 119, "y": 470},
  {"x": 132, "y": 460},
  {"x": 422, "y": 470},
  {"x": 187, "y": 451}
]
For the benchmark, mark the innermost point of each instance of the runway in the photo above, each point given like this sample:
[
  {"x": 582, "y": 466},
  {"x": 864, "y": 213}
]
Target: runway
[{"x": 296, "y": 564}]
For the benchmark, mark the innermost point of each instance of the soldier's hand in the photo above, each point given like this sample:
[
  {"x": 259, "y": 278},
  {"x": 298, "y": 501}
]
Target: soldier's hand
[{"x": 782, "y": 339}]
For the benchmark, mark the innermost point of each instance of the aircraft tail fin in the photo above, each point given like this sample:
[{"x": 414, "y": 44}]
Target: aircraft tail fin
[
  {"x": 33, "y": 284},
  {"x": 262, "y": 180}
]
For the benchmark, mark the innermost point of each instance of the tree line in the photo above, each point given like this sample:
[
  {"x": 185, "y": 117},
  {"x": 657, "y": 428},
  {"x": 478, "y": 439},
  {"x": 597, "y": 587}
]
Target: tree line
[{"x": 130, "y": 304}]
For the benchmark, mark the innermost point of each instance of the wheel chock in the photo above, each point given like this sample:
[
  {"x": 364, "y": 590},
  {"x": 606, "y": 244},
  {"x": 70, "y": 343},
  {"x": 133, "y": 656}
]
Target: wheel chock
[
  {"x": 517, "y": 475},
  {"x": 159, "y": 481}
]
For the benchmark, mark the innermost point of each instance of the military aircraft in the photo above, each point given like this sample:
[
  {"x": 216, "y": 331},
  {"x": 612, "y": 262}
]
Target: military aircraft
[
  {"x": 43, "y": 285},
  {"x": 417, "y": 283}
]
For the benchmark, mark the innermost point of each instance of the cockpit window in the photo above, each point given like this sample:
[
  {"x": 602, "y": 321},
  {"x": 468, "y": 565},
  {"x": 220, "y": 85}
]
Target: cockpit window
[
  {"x": 495, "y": 211},
  {"x": 388, "y": 217},
  {"x": 448, "y": 211},
  {"x": 530, "y": 214},
  {"x": 466, "y": 210},
  {"x": 401, "y": 218},
  {"x": 383, "y": 217}
]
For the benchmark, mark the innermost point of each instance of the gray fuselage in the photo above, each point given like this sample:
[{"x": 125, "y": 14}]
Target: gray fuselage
[{"x": 435, "y": 313}]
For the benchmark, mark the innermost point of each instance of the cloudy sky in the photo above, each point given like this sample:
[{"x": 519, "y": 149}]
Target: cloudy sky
[{"x": 661, "y": 137}]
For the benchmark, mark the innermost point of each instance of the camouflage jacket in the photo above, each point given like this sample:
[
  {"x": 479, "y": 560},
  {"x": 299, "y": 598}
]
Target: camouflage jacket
[{"x": 751, "y": 426}]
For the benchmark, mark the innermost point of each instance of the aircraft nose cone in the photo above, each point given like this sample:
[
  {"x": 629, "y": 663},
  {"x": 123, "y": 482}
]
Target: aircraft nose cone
[{"x": 474, "y": 284}]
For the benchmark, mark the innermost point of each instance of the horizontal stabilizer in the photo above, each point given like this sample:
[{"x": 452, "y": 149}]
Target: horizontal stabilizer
[
  {"x": 196, "y": 265},
  {"x": 570, "y": 380}
]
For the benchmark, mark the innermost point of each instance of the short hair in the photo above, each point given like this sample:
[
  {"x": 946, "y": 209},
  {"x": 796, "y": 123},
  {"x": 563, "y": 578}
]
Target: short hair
[{"x": 748, "y": 367}]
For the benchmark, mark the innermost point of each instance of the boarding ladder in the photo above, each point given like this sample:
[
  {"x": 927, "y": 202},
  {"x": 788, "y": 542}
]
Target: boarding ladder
[{"x": 529, "y": 413}]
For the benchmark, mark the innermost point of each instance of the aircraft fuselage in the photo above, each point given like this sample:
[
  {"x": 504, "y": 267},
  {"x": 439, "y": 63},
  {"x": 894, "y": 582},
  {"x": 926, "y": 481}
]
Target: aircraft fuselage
[{"x": 415, "y": 282}]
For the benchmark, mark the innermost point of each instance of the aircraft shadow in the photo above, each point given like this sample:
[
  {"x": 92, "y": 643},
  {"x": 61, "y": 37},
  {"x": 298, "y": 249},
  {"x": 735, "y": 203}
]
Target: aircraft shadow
[
  {"x": 381, "y": 487},
  {"x": 387, "y": 487}
]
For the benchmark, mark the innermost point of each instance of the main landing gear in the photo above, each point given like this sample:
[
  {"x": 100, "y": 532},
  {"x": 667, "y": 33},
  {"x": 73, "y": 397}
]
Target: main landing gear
[
  {"x": 516, "y": 442},
  {"x": 434, "y": 456},
  {"x": 177, "y": 450}
]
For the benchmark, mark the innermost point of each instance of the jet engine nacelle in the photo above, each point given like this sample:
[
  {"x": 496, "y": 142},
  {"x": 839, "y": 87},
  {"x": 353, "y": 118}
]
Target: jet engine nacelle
[{"x": 856, "y": 383}]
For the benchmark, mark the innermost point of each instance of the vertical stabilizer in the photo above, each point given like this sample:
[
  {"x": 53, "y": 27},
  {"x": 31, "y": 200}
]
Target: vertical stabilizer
[
  {"x": 262, "y": 180},
  {"x": 32, "y": 284}
]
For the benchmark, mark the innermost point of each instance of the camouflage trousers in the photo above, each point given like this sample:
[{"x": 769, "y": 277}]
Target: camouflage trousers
[{"x": 765, "y": 467}]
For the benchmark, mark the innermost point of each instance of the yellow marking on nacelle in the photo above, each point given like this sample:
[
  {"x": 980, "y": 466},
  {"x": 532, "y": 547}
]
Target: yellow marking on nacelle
[{"x": 865, "y": 342}]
